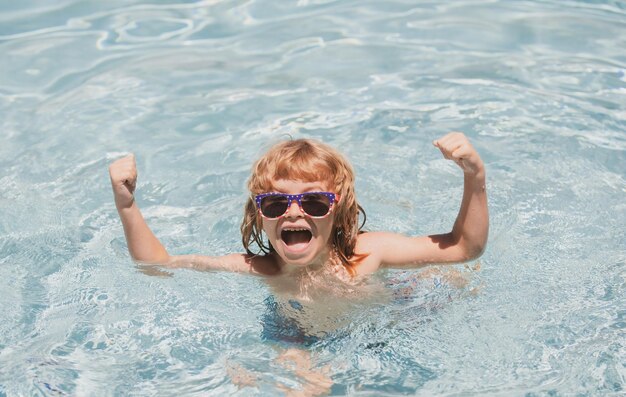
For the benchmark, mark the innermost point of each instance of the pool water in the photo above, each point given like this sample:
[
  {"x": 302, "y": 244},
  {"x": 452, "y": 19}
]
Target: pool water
[{"x": 198, "y": 89}]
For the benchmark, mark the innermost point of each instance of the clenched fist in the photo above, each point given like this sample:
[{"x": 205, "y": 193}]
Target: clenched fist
[
  {"x": 123, "y": 173},
  {"x": 456, "y": 147}
]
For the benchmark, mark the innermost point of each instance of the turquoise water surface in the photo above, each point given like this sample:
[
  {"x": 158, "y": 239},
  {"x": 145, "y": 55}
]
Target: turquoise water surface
[{"x": 198, "y": 89}]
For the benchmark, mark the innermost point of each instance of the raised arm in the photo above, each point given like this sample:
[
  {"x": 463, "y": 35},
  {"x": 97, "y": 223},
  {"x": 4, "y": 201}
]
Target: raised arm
[
  {"x": 471, "y": 227},
  {"x": 145, "y": 247},
  {"x": 468, "y": 237}
]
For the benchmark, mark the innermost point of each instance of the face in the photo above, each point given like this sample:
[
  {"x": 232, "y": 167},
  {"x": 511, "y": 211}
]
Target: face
[{"x": 298, "y": 239}]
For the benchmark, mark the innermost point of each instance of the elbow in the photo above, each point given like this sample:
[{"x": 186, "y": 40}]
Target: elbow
[
  {"x": 149, "y": 254},
  {"x": 458, "y": 249},
  {"x": 151, "y": 259},
  {"x": 473, "y": 251},
  {"x": 471, "y": 245}
]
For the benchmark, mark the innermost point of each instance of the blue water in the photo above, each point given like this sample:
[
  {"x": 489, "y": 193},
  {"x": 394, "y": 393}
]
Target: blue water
[{"x": 197, "y": 90}]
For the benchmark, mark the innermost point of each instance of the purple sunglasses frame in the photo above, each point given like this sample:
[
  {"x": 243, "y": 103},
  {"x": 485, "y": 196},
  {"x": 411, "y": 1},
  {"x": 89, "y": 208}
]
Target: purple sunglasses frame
[{"x": 332, "y": 198}]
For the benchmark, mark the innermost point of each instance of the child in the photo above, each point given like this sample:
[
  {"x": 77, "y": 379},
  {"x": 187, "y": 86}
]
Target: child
[{"x": 302, "y": 198}]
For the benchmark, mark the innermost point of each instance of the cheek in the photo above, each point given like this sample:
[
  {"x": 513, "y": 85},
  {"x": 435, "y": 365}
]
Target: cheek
[
  {"x": 269, "y": 227},
  {"x": 326, "y": 227}
]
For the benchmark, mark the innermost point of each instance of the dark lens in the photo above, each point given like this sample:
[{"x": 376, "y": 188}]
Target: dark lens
[
  {"x": 274, "y": 206},
  {"x": 316, "y": 204}
]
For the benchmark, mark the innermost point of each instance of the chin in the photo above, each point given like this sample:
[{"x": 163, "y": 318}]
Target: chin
[
  {"x": 301, "y": 258},
  {"x": 296, "y": 262}
]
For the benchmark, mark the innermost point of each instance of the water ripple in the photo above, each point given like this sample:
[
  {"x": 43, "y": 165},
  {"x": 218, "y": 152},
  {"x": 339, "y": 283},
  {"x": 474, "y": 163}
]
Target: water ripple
[{"x": 197, "y": 90}]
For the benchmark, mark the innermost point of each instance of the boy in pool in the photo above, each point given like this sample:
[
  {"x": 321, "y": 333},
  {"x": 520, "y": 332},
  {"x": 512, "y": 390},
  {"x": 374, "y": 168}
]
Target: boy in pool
[{"x": 302, "y": 198}]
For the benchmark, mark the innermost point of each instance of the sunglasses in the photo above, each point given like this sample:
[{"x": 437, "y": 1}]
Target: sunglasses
[{"x": 313, "y": 204}]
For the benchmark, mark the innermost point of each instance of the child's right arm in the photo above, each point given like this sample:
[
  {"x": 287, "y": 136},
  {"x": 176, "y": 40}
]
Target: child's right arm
[{"x": 145, "y": 247}]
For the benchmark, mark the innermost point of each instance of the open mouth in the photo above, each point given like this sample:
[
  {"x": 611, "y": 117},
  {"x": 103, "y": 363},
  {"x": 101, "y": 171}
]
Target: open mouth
[{"x": 296, "y": 238}]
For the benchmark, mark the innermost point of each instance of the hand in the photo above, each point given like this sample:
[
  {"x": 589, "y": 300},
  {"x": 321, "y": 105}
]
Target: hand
[
  {"x": 456, "y": 147},
  {"x": 123, "y": 173}
]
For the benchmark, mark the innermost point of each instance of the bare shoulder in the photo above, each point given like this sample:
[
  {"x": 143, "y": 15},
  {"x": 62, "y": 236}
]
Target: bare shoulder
[
  {"x": 264, "y": 265},
  {"x": 371, "y": 244}
]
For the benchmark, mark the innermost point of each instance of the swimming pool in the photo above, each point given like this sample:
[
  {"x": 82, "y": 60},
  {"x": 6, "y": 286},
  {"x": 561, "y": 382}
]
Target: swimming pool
[{"x": 198, "y": 89}]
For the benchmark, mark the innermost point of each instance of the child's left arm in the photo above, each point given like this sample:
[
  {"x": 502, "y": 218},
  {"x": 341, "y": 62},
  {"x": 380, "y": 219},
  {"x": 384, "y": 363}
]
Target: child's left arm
[
  {"x": 468, "y": 237},
  {"x": 471, "y": 227}
]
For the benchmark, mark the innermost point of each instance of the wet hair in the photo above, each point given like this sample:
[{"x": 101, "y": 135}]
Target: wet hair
[{"x": 307, "y": 160}]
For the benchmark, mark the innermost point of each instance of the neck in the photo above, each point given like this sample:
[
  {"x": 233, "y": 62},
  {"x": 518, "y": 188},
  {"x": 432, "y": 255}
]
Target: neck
[{"x": 323, "y": 260}]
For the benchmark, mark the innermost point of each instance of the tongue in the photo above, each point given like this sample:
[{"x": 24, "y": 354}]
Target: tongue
[{"x": 294, "y": 238}]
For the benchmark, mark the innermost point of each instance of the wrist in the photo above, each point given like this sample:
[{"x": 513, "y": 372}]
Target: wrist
[
  {"x": 475, "y": 168},
  {"x": 476, "y": 174},
  {"x": 476, "y": 178},
  {"x": 124, "y": 205}
]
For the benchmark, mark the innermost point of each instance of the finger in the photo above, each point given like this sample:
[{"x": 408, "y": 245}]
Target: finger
[
  {"x": 131, "y": 160},
  {"x": 448, "y": 141},
  {"x": 125, "y": 167},
  {"x": 449, "y": 148},
  {"x": 126, "y": 160},
  {"x": 131, "y": 177},
  {"x": 456, "y": 134},
  {"x": 441, "y": 142},
  {"x": 456, "y": 139},
  {"x": 132, "y": 185},
  {"x": 123, "y": 176},
  {"x": 461, "y": 152},
  {"x": 448, "y": 136},
  {"x": 460, "y": 160},
  {"x": 444, "y": 151}
]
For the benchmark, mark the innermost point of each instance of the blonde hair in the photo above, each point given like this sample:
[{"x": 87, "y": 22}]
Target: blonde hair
[{"x": 307, "y": 160}]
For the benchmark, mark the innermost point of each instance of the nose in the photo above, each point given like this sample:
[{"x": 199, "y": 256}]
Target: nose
[{"x": 294, "y": 210}]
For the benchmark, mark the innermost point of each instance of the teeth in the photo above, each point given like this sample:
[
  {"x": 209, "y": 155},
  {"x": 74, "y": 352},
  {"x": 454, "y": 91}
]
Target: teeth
[{"x": 292, "y": 229}]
